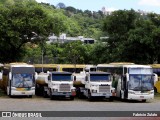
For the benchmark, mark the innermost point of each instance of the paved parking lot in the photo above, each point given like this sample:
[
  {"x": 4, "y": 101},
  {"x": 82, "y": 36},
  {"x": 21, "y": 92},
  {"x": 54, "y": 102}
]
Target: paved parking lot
[
  {"x": 40, "y": 104},
  {"x": 45, "y": 104}
]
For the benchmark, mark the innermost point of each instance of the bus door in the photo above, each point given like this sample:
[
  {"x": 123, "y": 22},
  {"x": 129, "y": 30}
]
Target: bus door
[{"x": 124, "y": 86}]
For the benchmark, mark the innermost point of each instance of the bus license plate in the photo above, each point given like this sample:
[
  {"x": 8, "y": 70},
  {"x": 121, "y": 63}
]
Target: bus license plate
[
  {"x": 23, "y": 92},
  {"x": 141, "y": 96}
]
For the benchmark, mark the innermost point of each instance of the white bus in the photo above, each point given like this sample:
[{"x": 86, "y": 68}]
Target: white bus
[
  {"x": 18, "y": 79},
  {"x": 131, "y": 81}
]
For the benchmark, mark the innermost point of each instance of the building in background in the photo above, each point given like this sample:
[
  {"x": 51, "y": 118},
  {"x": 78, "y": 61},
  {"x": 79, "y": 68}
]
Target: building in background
[{"x": 64, "y": 39}]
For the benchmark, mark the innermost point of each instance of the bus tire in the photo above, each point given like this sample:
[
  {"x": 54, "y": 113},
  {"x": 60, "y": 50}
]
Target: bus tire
[
  {"x": 51, "y": 96},
  {"x": 10, "y": 96},
  {"x": 80, "y": 95},
  {"x": 89, "y": 96},
  {"x": 111, "y": 99},
  {"x": 144, "y": 100},
  {"x": 121, "y": 96},
  {"x": 45, "y": 95},
  {"x": 72, "y": 98},
  {"x": 30, "y": 96}
]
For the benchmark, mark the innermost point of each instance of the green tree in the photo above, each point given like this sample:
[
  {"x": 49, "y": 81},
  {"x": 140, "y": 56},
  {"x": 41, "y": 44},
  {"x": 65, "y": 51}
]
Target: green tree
[
  {"x": 139, "y": 47},
  {"x": 24, "y": 21},
  {"x": 73, "y": 52},
  {"x": 125, "y": 35},
  {"x": 155, "y": 19},
  {"x": 99, "y": 53},
  {"x": 133, "y": 37}
]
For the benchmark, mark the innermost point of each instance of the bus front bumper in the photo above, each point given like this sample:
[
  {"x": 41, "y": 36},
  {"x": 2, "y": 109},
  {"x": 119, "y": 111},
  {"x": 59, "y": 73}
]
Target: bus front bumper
[
  {"x": 105, "y": 95},
  {"x": 140, "y": 96},
  {"x": 22, "y": 93}
]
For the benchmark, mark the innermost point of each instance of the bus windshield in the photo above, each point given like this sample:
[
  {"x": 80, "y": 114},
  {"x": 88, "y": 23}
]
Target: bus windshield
[
  {"x": 140, "y": 82},
  {"x": 22, "y": 80},
  {"x": 99, "y": 77},
  {"x": 61, "y": 77}
]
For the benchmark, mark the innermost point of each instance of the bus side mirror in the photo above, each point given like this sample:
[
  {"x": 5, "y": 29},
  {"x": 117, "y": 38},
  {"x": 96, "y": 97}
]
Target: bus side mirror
[
  {"x": 155, "y": 78},
  {"x": 36, "y": 76},
  {"x": 0, "y": 75},
  {"x": 10, "y": 75},
  {"x": 49, "y": 77},
  {"x": 127, "y": 76},
  {"x": 86, "y": 78}
]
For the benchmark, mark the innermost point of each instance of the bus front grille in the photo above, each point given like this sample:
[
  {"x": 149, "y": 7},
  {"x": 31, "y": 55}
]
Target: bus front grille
[
  {"x": 104, "y": 88},
  {"x": 64, "y": 88}
]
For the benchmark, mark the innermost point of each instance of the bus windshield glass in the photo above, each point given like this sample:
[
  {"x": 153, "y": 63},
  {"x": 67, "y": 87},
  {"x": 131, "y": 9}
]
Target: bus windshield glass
[
  {"x": 140, "y": 82},
  {"x": 140, "y": 70},
  {"x": 23, "y": 80},
  {"x": 61, "y": 77},
  {"x": 99, "y": 77}
]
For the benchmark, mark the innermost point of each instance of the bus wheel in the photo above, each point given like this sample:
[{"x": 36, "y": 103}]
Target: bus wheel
[
  {"x": 111, "y": 99},
  {"x": 120, "y": 95},
  {"x": 155, "y": 90},
  {"x": 122, "y": 99},
  {"x": 143, "y": 100},
  {"x": 89, "y": 96},
  {"x": 72, "y": 98},
  {"x": 51, "y": 96},
  {"x": 30, "y": 96},
  {"x": 10, "y": 96},
  {"x": 80, "y": 95},
  {"x": 45, "y": 94}
]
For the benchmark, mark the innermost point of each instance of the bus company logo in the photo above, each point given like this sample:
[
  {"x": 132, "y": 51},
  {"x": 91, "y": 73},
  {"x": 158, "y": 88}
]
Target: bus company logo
[
  {"x": 21, "y": 114},
  {"x": 6, "y": 114}
]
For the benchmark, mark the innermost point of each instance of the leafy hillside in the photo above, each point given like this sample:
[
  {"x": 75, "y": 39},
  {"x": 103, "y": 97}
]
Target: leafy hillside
[{"x": 25, "y": 26}]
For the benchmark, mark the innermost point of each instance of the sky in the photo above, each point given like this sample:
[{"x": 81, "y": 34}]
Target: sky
[{"x": 111, "y": 5}]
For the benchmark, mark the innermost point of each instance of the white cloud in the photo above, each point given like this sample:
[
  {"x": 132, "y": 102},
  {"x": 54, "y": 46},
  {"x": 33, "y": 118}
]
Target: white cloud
[
  {"x": 44, "y": 1},
  {"x": 149, "y": 2}
]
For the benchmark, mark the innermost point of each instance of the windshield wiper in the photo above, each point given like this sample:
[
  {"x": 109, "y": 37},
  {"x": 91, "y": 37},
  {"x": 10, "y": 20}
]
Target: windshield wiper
[
  {"x": 146, "y": 88},
  {"x": 137, "y": 88},
  {"x": 23, "y": 82}
]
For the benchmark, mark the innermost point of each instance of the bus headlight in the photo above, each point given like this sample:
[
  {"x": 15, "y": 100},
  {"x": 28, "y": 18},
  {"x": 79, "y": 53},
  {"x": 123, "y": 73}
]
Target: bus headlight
[
  {"x": 151, "y": 92},
  {"x": 13, "y": 88},
  {"x": 54, "y": 84},
  {"x": 33, "y": 88},
  {"x": 94, "y": 91},
  {"x": 55, "y": 90},
  {"x": 93, "y": 85},
  {"x": 131, "y": 92}
]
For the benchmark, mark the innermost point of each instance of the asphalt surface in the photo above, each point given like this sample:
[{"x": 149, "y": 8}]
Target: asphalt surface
[{"x": 38, "y": 103}]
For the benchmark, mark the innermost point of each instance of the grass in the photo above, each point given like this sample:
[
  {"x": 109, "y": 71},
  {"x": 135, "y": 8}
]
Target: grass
[
  {"x": 2, "y": 93},
  {"x": 157, "y": 96}
]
